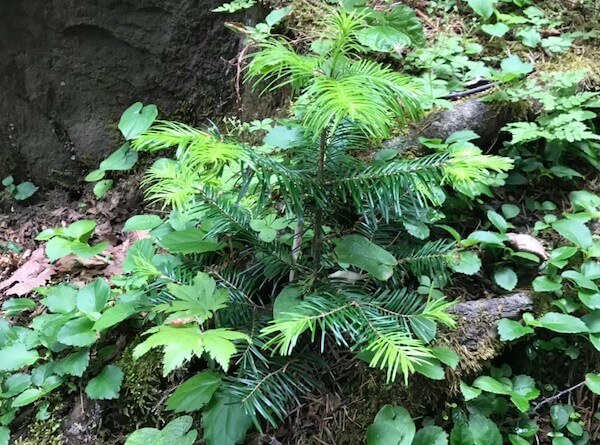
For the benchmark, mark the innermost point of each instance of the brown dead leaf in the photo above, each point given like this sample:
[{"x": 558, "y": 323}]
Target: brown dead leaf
[
  {"x": 37, "y": 271},
  {"x": 72, "y": 263},
  {"x": 527, "y": 243}
]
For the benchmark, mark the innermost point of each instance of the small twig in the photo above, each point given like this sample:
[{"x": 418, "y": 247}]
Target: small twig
[
  {"x": 238, "y": 76},
  {"x": 557, "y": 396},
  {"x": 480, "y": 88}
]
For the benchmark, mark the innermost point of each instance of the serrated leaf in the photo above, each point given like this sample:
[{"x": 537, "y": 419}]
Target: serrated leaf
[
  {"x": 177, "y": 431},
  {"x": 490, "y": 384},
  {"x": 17, "y": 356},
  {"x": 592, "y": 381},
  {"x": 179, "y": 345},
  {"x": 92, "y": 298},
  {"x": 580, "y": 280},
  {"x": 430, "y": 435},
  {"x": 467, "y": 263},
  {"x": 105, "y": 385},
  {"x": 574, "y": 231},
  {"x": 517, "y": 440},
  {"x": 445, "y": 355},
  {"x": 15, "y": 384},
  {"x": 80, "y": 230},
  {"x": 57, "y": 248},
  {"x": 484, "y": 237},
  {"x": 590, "y": 299},
  {"x": 218, "y": 343},
  {"x": 200, "y": 300},
  {"x": 277, "y": 15},
  {"x": 73, "y": 364},
  {"x": 27, "y": 397},
  {"x": 225, "y": 422},
  {"x": 592, "y": 321},
  {"x": 14, "y": 306},
  {"x": 546, "y": 284},
  {"x": 510, "y": 330},
  {"x": 194, "y": 393},
  {"x": 77, "y": 332},
  {"x": 461, "y": 434},
  {"x": 430, "y": 368},
  {"x": 563, "y": 323},
  {"x": 514, "y": 66},
  {"x": 383, "y": 38},
  {"x": 506, "y": 278},
  {"x": 485, "y": 431},
  {"x": 392, "y": 426},
  {"x": 114, "y": 315},
  {"x": 283, "y": 137},
  {"x": 424, "y": 328},
  {"x": 468, "y": 392},
  {"x": 85, "y": 251}
]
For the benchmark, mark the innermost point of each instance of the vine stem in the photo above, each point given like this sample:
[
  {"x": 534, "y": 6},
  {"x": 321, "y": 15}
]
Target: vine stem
[{"x": 318, "y": 238}]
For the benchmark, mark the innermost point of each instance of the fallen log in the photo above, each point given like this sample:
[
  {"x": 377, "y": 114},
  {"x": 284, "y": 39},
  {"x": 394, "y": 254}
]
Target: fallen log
[{"x": 476, "y": 337}]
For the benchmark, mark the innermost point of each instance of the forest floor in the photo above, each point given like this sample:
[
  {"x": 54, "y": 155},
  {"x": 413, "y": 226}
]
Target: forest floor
[{"x": 354, "y": 393}]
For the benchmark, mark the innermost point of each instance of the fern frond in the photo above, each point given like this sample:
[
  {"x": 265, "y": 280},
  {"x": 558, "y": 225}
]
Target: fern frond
[
  {"x": 270, "y": 390},
  {"x": 341, "y": 28},
  {"x": 196, "y": 149},
  {"x": 469, "y": 168},
  {"x": 277, "y": 64},
  {"x": 392, "y": 349},
  {"x": 387, "y": 188},
  {"x": 381, "y": 325},
  {"x": 166, "y": 182},
  {"x": 222, "y": 210},
  {"x": 291, "y": 182},
  {"x": 167, "y": 134},
  {"x": 316, "y": 313},
  {"x": 372, "y": 100},
  {"x": 429, "y": 259}
]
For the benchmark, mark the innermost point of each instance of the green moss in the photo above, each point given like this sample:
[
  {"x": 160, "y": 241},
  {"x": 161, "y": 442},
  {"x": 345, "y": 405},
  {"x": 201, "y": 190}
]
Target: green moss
[
  {"x": 542, "y": 302},
  {"x": 142, "y": 388},
  {"x": 46, "y": 432},
  {"x": 306, "y": 14}
]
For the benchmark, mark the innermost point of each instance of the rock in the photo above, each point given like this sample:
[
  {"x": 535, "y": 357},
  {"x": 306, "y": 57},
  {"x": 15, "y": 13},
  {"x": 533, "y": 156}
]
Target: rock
[
  {"x": 82, "y": 422},
  {"x": 68, "y": 69},
  {"x": 481, "y": 117}
]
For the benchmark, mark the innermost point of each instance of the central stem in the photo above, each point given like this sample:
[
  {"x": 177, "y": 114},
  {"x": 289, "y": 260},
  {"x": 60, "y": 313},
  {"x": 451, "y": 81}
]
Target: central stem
[{"x": 318, "y": 237}]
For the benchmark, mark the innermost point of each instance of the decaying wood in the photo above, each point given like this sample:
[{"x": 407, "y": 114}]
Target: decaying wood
[{"x": 478, "y": 319}]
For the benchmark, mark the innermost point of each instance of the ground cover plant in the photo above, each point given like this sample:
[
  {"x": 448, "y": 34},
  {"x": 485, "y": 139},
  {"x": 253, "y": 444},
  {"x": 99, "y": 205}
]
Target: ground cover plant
[{"x": 272, "y": 249}]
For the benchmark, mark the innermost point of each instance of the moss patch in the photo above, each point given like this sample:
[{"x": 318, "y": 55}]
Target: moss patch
[{"x": 46, "y": 432}]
